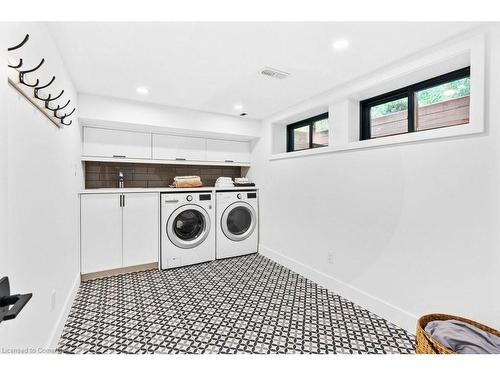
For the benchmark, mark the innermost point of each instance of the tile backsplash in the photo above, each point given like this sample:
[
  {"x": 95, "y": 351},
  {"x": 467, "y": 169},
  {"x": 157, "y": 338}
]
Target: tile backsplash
[{"x": 105, "y": 175}]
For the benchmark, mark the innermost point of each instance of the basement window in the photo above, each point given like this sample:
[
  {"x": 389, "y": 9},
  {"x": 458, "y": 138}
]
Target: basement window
[
  {"x": 435, "y": 103},
  {"x": 308, "y": 133}
]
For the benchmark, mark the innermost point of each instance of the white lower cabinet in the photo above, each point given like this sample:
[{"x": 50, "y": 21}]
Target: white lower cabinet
[
  {"x": 140, "y": 229},
  {"x": 101, "y": 232},
  {"x": 118, "y": 230}
]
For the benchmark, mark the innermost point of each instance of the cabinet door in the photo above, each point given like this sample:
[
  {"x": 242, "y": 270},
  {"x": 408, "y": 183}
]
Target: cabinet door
[
  {"x": 116, "y": 143},
  {"x": 228, "y": 151},
  {"x": 176, "y": 147},
  {"x": 101, "y": 232},
  {"x": 140, "y": 229}
]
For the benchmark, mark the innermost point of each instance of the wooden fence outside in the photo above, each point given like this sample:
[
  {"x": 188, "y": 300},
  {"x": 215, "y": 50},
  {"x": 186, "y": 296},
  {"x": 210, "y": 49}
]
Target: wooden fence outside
[{"x": 447, "y": 113}]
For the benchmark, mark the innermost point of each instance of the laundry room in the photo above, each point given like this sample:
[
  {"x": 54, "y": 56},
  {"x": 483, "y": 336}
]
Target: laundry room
[{"x": 206, "y": 187}]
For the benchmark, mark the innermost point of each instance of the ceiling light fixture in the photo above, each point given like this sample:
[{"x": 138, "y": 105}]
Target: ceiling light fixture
[
  {"x": 341, "y": 44},
  {"x": 142, "y": 90},
  {"x": 238, "y": 107}
]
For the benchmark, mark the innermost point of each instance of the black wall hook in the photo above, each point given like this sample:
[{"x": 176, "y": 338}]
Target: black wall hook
[
  {"x": 19, "y": 64},
  {"x": 64, "y": 106},
  {"x": 20, "y": 44},
  {"x": 65, "y": 115},
  {"x": 22, "y": 73},
  {"x": 68, "y": 124},
  {"x": 50, "y": 99},
  {"x": 38, "y": 88}
]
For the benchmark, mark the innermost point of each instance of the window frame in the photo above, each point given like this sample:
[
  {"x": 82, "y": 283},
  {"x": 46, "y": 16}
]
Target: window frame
[
  {"x": 299, "y": 124},
  {"x": 407, "y": 92}
]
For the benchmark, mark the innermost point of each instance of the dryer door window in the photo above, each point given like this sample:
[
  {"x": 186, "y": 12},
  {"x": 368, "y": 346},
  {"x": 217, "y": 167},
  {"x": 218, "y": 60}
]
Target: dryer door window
[
  {"x": 238, "y": 221},
  {"x": 188, "y": 226}
]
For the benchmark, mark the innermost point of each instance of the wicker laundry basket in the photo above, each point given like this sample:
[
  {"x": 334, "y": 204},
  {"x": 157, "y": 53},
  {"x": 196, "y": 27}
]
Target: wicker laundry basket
[{"x": 427, "y": 345}]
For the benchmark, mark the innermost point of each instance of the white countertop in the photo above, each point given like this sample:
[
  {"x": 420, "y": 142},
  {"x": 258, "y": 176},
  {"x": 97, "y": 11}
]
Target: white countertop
[{"x": 160, "y": 190}]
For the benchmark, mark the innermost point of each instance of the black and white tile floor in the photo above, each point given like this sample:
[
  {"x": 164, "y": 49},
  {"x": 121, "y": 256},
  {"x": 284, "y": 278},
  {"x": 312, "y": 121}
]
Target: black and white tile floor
[{"x": 248, "y": 304}]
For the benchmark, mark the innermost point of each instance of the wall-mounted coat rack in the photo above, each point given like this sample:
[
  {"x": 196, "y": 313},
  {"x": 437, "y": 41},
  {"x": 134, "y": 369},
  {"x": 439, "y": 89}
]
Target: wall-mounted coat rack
[{"x": 34, "y": 91}]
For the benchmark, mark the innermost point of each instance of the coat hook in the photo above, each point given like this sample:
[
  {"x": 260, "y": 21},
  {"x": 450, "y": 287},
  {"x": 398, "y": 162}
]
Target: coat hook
[
  {"x": 18, "y": 65},
  {"x": 22, "y": 73},
  {"x": 68, "y": 124},
  {"x": 69, "y": 114},
  {"x": 65, "y": 115},
  {"x": 58, "y": 108},
  {"x": 64, "y": 106},
  {"x": 38, "y": 88},
  {"x": 20, "y": 44},
  {"x": 50, "y": 98}
]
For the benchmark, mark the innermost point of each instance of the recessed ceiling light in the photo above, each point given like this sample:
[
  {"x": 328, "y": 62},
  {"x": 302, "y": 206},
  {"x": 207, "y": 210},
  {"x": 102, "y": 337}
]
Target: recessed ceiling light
[
  {"x": 238, "y": 107},
  {"x": 142, "y": 90},
  {"x": 341, "y": 44}
]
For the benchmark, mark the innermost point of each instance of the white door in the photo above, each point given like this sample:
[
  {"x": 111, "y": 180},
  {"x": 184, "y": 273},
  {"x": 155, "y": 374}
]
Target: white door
[
  {"x": 228, "y": 151},
  {"x": 175, "y": 147},
  {"x": 140, "y": 229},
  {"x": 116, "y": 143},
  {"x": 101, "y": 232}
]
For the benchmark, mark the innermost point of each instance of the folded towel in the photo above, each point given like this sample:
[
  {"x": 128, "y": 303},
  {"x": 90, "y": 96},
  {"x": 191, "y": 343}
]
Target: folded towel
[
  {"x": 224, "y": 182},
  {"x": 241, "y": 180},
  {"x": 462, "y": 337},
  {"x": 187, "y": 181}
]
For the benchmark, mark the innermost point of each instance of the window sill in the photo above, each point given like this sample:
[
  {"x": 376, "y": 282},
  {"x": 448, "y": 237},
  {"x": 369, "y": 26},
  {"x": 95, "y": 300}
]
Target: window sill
[{"x": 427, "y": 135}]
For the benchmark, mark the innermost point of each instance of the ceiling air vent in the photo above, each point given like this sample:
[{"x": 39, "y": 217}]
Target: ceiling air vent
[{"x": 274, "y": 73}]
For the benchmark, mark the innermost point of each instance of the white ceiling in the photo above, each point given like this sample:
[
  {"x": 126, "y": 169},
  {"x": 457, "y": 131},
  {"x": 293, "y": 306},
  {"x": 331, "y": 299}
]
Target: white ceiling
[{"x": 213, "y": 66}]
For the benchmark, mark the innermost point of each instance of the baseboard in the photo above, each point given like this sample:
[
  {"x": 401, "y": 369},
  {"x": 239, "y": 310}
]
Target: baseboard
[
  {"x": 386, "y": 310},
  {"x": 119, "y": 271},
  {"x": 63, "y": 316}
]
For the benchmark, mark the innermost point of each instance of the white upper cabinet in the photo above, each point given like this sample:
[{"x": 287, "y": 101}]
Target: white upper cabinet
[
  {"x": 180, "y": 149},
  {"x": 177, "y": 147},
  {"x": 116, "y": 143},
  {"x": 228, "y": 151}
]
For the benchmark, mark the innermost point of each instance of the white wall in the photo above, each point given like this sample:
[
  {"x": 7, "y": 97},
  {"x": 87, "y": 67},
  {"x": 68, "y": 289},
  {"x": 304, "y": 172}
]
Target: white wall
[
  {"x": 413, "y": 228},
  {"x": 99, "y": 110},
  {"x": 44, "y": 176}
]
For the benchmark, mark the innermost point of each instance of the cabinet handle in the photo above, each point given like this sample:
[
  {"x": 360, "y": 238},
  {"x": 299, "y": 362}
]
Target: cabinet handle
[
  {"x": 229, "y": 161},
  {"x": 119, "y": 156},
  {"x": 123, "y": 200},
  {"x": 121, "y": 205},
  {"x": 181, "y": 159}
]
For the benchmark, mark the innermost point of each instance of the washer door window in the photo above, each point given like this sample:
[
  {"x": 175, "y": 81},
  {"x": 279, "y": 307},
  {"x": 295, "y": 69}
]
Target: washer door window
[
  {"x": 238, "y": 221},
  {"x": 188, "y": 226}
]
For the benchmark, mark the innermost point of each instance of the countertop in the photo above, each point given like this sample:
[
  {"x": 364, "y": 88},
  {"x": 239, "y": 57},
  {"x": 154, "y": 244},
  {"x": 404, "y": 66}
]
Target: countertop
[{"x": 161, "y": 190}]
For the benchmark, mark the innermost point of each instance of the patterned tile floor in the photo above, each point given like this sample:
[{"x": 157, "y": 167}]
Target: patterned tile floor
[{"x": 248, "y": 304}]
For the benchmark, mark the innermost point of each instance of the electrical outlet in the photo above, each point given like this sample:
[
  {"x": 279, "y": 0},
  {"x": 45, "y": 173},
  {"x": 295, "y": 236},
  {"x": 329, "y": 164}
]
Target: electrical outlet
[
  {"x": 53, "y": 300},
  {"x": 329, "y": 258}
]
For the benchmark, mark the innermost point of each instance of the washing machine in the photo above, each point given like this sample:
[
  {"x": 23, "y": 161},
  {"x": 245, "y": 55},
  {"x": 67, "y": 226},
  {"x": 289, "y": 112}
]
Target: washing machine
[
  {"x": 188, "y": 228},
  {"x": 237, "y": 223}
]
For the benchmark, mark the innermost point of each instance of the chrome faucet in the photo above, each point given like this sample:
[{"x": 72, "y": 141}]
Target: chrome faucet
[{"x": 121, "y": 180}]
